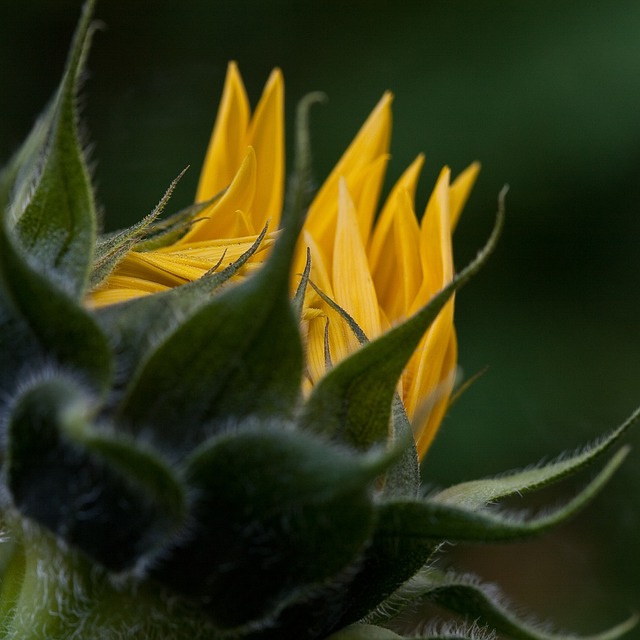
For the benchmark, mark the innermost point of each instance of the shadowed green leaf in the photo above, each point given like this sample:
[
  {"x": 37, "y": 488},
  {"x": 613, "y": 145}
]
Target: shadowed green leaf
[
  {"x": 57, "y": 225},
  {"x": 278, "y": 512},
  {"x": 353, "y": 401},
  {"x": 117, "y": 503},
  {"x": 478, "y": 493}
]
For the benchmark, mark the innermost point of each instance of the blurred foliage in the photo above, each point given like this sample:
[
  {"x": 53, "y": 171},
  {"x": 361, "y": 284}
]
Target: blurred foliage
[{"x": 545, "y": 94}]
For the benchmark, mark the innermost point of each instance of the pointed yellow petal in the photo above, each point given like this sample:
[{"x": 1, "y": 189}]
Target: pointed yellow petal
[
  {"x": 436, "y": 252},
  {"x": 460, "y": 190},
  {"x": 319, "y": 274},
  {"x": 317, "y": 312},
  {"x": 219, "y": 219},
  {"x": 384, "y": 224},
  {"x": 427, "y": 428},
  {"x": 371, "y": 142},
  {"x": 398, "y": 274},
  {"x": 352, "y": 282},
  {"x": 424, "y": 371},
  {"x": 365, "y": 187},
  {"x": 228, "y": 140},
  {"x": 266, "y": 136},
  {"x": 408, "y": 269}
]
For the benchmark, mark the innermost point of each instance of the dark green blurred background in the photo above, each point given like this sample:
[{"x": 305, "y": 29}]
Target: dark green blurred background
[{"x": 545, "y": 94}]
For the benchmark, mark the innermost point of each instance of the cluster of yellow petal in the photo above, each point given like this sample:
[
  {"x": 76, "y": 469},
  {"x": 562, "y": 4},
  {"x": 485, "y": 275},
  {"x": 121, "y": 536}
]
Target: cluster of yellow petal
[
  {"x": 378, "y": 273},
  {"x": 382, "y": 273},
  {"x": 245, "y": 165}
]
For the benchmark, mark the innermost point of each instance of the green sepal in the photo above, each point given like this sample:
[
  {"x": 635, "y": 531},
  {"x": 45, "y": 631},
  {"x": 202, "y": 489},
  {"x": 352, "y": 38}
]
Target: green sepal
[
  {"x": 352, "y": 402},
  {"x": 279, "y": 513},
  {"x": 239, "y": 354},
  {"x": 64, "y": 330},
  {"x": 165, "y": 232},
  {"x": 57, "y": 225},
  {"x": 118, "y": 503},
  {"x": 478, "y": 493},
  {"x": 111, "y": 248},
  {"x": 439, "y": 521},
  {"x": 134, "y": 326},
  {"x": 298, "y": 298},
  {"x": 408, "y": 532},
  {"x": 404, "y": 478},
  {"x": 465, "y": 595}
]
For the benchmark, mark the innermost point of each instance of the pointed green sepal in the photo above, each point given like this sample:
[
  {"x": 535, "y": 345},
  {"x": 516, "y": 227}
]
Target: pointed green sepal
[
  {"x": 439, "y": 521},
  {"x": 403, "y": 480},
  {"x": 353, "y": 401},
  {"x": 56, "y": 224},
  {"x": 478, "y": 493},
  {"x": 239, "y": 354},
  {"x": 101, "y": 493},
  {"x": 136, "y": 326},
  {"x": 112, "y": 247}
]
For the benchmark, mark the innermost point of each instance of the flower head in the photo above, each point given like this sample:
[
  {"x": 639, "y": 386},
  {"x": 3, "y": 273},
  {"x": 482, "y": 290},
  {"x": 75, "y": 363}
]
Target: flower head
[{"x": 378, "y": 273}]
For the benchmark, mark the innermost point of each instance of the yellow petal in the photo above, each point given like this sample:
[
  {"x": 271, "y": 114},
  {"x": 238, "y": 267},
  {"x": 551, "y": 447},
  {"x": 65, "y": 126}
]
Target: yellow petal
[
  {"x": 384, "y": 224},
  {"x": 365, "y": 187},
  {"x": 406, "y": 257},
  {"x": 460, "y": 190},
  {"x": 435, "y": 243},
  {"x": 227, "y": 145},
  {"x": 371, "y": 142},
  {"x": 219, "y": 219},
  {"x": 426, "y": 429},
  {"x": 121, "y": 288},
  {"x": 352, "y": 282},
  {"x": 317, "y": 313},
  {"x": 424, "y": 372},
  {"x": 398, "y": 274},
  {"x": 319, "y": 273},
  {"x": 266, "y": 136}
]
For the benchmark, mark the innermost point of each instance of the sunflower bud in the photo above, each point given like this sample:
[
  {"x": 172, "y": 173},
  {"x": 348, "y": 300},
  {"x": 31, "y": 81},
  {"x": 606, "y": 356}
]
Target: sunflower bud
[{"x": 212, "y": 422}]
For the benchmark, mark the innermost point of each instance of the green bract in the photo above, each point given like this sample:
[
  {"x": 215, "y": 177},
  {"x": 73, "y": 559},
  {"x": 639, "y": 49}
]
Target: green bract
[{"x": 162, "y": 474}]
